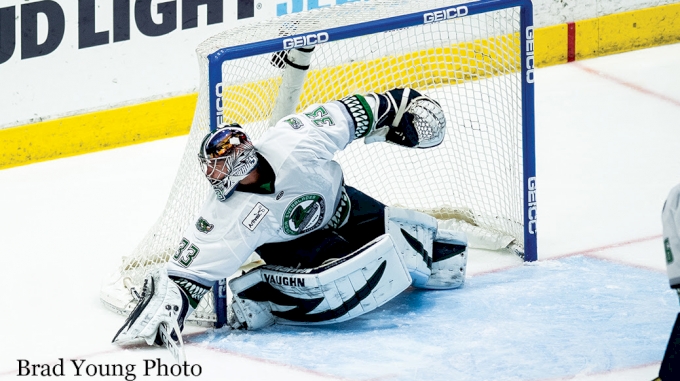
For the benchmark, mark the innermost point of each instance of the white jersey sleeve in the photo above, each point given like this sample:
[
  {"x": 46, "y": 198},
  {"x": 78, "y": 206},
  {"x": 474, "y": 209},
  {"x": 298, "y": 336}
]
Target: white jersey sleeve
[
  {"x": 328, "y": 126},
  {"x": 670, "y": 218}
]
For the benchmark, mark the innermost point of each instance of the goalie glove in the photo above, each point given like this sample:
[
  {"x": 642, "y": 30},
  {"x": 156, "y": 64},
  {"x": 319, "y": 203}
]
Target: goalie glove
[
  {"x": 407, "y": 118},
  {"x": 161, "y": 302}
]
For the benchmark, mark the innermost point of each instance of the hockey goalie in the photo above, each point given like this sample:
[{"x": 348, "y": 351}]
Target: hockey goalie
[{"x": 332, "y": 253}]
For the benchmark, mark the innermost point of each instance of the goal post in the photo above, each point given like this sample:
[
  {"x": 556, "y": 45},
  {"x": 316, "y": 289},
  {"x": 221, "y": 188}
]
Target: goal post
[{"x": 475, "y": 58}]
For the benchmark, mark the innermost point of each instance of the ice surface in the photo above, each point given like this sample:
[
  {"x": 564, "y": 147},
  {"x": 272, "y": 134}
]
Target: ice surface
[{"x": 552, "y": 319}]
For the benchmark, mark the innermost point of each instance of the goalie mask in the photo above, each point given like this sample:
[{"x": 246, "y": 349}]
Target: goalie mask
[{"x": 227, "y": 156}]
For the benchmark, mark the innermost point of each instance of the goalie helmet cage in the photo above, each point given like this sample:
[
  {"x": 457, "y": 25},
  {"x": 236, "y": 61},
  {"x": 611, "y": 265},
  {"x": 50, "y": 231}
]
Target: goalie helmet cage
[{"x": 475, "y": 58}]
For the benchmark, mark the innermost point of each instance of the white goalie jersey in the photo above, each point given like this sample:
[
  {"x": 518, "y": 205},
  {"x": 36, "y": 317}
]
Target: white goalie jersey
[{"x": 306, "y": 191}]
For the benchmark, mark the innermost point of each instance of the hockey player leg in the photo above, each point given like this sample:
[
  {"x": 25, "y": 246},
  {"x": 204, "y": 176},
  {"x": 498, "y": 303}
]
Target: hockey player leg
[
  {"x": 334, "y": 292},
  {"x": 436, "y": 259},
  {"x": 248, "y": 313},
  {"x": 413, "y": 234},
  {"x": 449, "y": 260}
]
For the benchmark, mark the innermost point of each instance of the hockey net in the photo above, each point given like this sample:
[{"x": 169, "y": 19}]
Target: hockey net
[{"x": 468, "y": 57}]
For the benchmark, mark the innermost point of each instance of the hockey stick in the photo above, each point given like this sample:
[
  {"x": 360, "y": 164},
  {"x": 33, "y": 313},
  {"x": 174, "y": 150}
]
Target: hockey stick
[{"x": 177, "y": 351}]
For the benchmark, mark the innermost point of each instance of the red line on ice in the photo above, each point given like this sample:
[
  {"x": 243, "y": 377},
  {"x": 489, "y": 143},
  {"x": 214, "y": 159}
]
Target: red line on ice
[{"x": 628, "y": 84}]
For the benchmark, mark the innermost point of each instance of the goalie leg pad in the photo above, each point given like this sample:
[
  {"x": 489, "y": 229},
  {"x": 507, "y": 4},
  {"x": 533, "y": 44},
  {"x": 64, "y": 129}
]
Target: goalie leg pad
[
  {"x": 248, "y": 313},
  {"x": 449, "y": 260},
  {"x": 413, "y": 234},
  {"x": 161, "y": 302},
  {"x": 338, "y": 291}
]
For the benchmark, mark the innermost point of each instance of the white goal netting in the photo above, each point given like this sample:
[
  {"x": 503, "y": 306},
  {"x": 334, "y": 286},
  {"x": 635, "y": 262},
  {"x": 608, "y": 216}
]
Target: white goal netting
[{"x": 470, "y": 65}]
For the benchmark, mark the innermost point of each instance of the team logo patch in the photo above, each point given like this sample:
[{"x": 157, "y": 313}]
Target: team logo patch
[
  {"x": 294, "y": 122},
  {"x": 255, "y": 216},
  {"x": 304, "y": 214},
  {"x": 204, "y": 226}
]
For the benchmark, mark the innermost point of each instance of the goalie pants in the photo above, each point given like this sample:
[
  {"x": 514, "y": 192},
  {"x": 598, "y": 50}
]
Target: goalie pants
[{"x": 366, "y": 222}]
